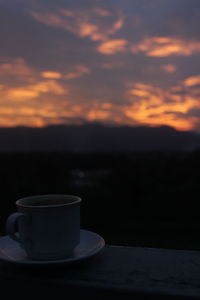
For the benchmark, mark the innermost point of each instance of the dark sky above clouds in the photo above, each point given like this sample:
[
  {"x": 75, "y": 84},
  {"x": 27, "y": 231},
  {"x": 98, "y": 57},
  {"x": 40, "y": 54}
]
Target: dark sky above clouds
[{"x": 113, "y": 61}]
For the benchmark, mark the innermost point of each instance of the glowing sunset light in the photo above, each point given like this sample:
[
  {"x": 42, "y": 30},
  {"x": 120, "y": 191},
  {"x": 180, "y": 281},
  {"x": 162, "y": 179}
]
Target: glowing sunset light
[
  {"x": 95, "y": 115},
  {"x": 106, "y": 105},
  {"x": 51, "y": 75},
  {"x": 166, "y": 46},
  {"x": 112, "y": 46},
  {"x": 33, "y": 91},
  {"x": 144, "y": 117},
  {"x": 117, "y": 25},
  {"x": 152, "y": 108},
  {"x": 89, "y": 30},
  {"x": 20, "y": 94},
  {"x": 191, "y": 81}
]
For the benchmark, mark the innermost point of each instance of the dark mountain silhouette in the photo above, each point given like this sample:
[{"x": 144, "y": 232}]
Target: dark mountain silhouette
[{"x": 95, "y": 137}]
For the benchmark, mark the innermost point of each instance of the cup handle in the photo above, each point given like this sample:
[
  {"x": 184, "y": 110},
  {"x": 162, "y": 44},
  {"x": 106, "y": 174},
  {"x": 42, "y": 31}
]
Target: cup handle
[{"x": 10, "y": 225}]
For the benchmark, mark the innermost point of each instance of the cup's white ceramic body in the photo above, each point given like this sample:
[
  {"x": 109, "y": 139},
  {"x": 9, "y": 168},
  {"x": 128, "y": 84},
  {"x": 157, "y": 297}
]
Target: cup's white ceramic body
[{"x": 46, "y": 231}]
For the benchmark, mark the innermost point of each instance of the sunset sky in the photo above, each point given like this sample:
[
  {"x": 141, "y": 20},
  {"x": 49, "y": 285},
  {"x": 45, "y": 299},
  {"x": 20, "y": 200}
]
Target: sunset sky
[{"x": 119, "y": 62}]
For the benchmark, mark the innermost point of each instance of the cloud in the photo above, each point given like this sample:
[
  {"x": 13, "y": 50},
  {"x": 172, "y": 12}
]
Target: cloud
[
  {"x": 104, "y": 112},
  {"x": 35, "y": 90},
  {"x": 96, "y": 115},
  {"x": 78, "y": 71},
  {"x": 116, "y": 26},
  {"x": 25, "y": 98},
  {"x": 14, "y": 67},
  {"x": 42, "y": 100},
  {"x": 169, "y": 68},
  {"x": 192, "y": 81},
  {"x": 51, "y": 75},
  {"x": 26, "y": 82},
  {"x": 82, "y": 23},
  {"x": 40, "y": 104},
  {"x": 112, "y": 47},
  {"x": 154, "y": 106},
  {"x": 37, "y": 105},
  {"x": 37, "y": 115},
  {"x": 166, "y": 46}
]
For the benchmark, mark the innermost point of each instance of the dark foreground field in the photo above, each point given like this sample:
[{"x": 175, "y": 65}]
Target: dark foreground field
[{"x": 134, "y": 199}]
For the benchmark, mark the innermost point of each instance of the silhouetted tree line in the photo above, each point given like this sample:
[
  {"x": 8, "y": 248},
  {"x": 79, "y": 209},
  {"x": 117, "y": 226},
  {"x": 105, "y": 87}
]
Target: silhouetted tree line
[{"x": 136, "y": 199}]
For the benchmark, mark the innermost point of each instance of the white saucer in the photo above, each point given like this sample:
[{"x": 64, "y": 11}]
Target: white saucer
[{"x": 90, "y": 244}]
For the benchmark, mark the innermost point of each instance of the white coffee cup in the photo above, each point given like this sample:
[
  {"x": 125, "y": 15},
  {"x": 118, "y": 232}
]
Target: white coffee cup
[{"x": 48, "y": 225}]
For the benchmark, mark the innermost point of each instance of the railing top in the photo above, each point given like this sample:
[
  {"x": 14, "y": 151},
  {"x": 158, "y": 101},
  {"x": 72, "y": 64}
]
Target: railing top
[{"x": 127, "y": 269}]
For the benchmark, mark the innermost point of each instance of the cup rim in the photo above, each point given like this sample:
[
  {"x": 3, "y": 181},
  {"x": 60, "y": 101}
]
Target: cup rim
[{"x": 20, "y": 201}]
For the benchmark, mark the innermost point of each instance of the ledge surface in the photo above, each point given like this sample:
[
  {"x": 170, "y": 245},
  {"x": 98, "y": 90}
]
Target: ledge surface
[{"x": 119, "y": 271}]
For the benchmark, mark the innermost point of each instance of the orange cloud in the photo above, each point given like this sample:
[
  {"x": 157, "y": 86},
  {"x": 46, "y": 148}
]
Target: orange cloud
[
  {"x": 104, "y": 112},
  {"x": 169, "y": 68},
  {"x": 192, "y": 81},
  {"x": 27, "y": 83},
  {"x": 91, "y": 31},
  {"x": 97, "y": 114},
  {"x": 33, "y": 101},
  {"x": 51, "y": 75},
  {"x": 106, "y": 105},
  {"x": 37, "y": 113},
  {"x": 79, "y": 70},
  {"x": 43, "y": 100},
  {"x": 35, "y": 90},
  {"x": 5, "y": 121},
  {"x": 154, "y": 106},
  {"x": 112, "y": 47},
  {"x": 117, "y": 26},
  {"x": 166, "y": 46},
  {"x": 81, "y": 22},
  {"x": 14, "y": 67},
  {"x": 147, "y": 105}
]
